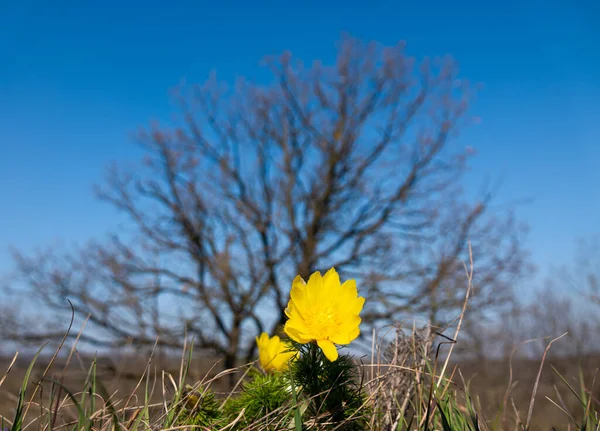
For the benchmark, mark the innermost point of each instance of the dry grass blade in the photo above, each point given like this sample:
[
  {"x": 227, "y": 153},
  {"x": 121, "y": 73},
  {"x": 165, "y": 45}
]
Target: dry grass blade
[
  {"x": 62, "y": 342},
  {"x": 234, "y": 422},
  {"x": 537, "y": 380},
  {"x": 562, "y": 409},
  {"x": 71, "y": 352},
  {"x": 469, "y": 273},
  {"x": 12, "y": 363},
  {"x": 237, "y": 384},
  {"x": 396, "y": 374},
  {"x": 146, "y": 371}
]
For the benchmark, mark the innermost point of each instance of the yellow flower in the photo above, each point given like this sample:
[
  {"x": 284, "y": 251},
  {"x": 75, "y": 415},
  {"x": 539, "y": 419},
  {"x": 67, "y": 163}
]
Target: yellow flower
[
  {"x": 273, "y": 353},
  {"x": 324, "y": 311}
]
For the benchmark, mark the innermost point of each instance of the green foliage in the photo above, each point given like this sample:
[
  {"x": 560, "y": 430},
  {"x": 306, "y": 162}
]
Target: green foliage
[
  {"x": 84, "y": 402},
  {"x": 332, "y": 388},
  {"x": 198, "y": 407},
  {"x": 18, "y": 421},
  {"x": 590, "y": 416},
  {"x": 452, "y": 417},
  {"x": 262, "y": 399},
  {"x": 173, "y": 413}
]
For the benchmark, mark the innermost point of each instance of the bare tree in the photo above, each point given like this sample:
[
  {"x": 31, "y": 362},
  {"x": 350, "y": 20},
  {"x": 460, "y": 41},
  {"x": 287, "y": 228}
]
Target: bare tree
[
  {"x": 351, "y": 165},
  {"x": 582, "y": 277},
  {"x": 566, "y": 301},
  {"x": 569, "y": 302}
]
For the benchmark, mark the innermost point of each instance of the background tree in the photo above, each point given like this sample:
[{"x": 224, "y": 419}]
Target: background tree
[
  {"x": 573, "y": 288},
  {"x": 567, "y": 300},
  {"x": 352, "y": 165}
]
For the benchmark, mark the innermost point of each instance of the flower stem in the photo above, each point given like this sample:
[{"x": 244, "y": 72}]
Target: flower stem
[{"x": 316, "y": 361}]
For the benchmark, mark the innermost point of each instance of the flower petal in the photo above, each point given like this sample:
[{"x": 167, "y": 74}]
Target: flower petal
[
  {"x": 273, "y": 353},
  {"x": 263, "y": 339},
  {"x": 295, "y": 335},
  {"x": 341, "y": 338},
  {"x": 328, "y": 349},
  {"x": 351, "y": 321},
  {"x": 314, "y": 288},
  {"x": 348, "y": 291},
  {"x": 357, "y": 306},
  {"x": 274, "y": 346},
  {"x": 296, "y": 324},
  {"x": 354, "y": 333},
  {"x": 331, "y": 280},
  {"x": 292, "y": 311},
  {"x": 298, "y": 293}
]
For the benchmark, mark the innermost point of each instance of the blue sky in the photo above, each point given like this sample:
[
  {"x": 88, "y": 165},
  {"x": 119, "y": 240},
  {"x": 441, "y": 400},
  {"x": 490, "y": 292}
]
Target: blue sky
[{"x": 76, "y": 78}]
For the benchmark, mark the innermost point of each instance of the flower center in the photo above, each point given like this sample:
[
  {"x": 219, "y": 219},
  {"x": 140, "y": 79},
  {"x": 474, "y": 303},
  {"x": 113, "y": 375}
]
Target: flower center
[{"x": 323, "y": 323}]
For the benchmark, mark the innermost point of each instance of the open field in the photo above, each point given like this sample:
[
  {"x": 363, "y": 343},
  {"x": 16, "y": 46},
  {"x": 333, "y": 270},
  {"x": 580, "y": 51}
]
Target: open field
[{"x": 488, "y": 382}]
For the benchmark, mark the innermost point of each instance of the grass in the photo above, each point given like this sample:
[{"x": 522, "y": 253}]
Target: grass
[
  {"x": 409, "y": 384},
  {"x": 400, "y": 388}
]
